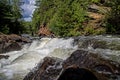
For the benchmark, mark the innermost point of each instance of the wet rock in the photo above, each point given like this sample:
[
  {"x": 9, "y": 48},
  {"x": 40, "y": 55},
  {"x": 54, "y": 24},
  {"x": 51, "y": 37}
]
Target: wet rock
[
  {"x": 11, "y": 47},
  {"x": 76, "y": 73},
  {"x": 14, "y": 37},
  {"x": 26, "y": 38},
  {"x": 12, "y": 42},
  {"x": 95, "y": 63},
  {"x": 48, "y": 70},
  {"x": 4, "y": 56},
  {"x": 92, "y": 42},
  {"x": 81, "y": 65}
]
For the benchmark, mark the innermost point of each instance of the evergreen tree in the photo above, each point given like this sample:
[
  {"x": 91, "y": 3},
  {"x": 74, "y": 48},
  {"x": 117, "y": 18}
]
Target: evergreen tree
[
  {"x": 16, "y": 26},
  {"x": 63, "y": 18},
  {"x": 69, "y": 17},
  {"x": 113, "y": 21},
  {"x": 10, "y": 17},
  {"x": 5, "y": 14}
]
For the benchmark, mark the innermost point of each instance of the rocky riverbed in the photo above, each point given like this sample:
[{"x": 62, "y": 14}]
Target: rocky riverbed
[
  {"x": 83, "y": 57},
  {"x": 81, "y": 65}
]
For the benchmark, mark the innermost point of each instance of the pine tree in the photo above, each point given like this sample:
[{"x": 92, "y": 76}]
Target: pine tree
[{"x": 10, "y": 16}]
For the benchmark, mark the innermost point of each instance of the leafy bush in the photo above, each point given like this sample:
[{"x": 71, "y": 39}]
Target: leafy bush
[{"x": 113, "y": 20}]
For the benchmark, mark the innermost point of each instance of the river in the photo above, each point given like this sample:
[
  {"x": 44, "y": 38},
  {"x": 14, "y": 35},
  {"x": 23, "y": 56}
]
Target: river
[{"x": 21, "y": 62}]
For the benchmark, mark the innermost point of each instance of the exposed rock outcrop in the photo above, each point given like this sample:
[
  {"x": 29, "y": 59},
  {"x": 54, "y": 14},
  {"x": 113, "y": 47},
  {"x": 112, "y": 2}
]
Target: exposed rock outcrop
[
  {"x": 76, "y": 73},
  {"x": 97, "y": 15},
  {"x": 11, "y": 42},
  {"x": 44, "y": 31},
  {"x": 81, "y": 65},
  {"x": 102, "y": 68}
]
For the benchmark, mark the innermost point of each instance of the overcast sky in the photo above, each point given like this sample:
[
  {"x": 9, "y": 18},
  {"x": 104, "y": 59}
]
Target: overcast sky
[{"x": 28, "y": 9}]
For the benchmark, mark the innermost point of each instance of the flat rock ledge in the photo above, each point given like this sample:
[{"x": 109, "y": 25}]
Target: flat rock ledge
[{"x": 81, "y": 65}]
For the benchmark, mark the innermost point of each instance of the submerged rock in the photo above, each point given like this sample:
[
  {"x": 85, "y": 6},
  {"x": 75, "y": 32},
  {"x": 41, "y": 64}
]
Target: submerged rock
[
  {"x": 97, "y": 42},
  {"x": 81, "y": 65},
  {"x": 4, "y": 56},
  {"x": 48, "y": 70}
]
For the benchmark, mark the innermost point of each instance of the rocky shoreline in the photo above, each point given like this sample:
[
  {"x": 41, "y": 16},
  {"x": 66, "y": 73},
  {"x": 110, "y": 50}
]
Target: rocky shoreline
[{"x": 11, "y": 42}]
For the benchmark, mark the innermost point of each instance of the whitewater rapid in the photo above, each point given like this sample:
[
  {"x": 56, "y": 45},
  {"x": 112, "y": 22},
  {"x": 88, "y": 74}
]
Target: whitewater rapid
[{"x": 21, "y": 62}]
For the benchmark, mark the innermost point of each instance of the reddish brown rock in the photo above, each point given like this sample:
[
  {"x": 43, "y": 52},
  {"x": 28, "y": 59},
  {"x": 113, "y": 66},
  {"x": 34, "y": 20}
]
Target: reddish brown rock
[{"x": 14, "y": 37}]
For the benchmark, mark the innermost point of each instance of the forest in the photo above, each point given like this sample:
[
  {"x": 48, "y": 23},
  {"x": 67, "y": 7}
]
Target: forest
[
  {"x": 11, "y": 21},
  {"x": 63, "y": 17}
]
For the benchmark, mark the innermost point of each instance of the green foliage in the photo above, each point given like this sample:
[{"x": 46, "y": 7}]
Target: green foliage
[
  {"x": 27, "y": 27},
  {"x": 113, "y": 19},
  {"x": 10, "y": 17},
  {"x": 4, "y": 12},
  {"x": 67, "y": 17},
  {"x": 64, "y": 18},
  {"x": 35, "y": 21},
  {"x": 95, "y": 1},
  {"x": 67, "y": 21}
]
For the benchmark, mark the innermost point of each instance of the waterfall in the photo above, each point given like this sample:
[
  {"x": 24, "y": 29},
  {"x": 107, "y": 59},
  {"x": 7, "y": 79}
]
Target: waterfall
[{"x": 21, "y": 62}]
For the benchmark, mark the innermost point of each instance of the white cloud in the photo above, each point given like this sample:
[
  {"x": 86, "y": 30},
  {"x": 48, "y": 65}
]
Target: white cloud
[{"x": 28, "y": 8}]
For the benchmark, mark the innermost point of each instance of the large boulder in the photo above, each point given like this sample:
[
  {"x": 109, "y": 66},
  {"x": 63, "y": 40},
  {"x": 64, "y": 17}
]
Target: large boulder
[
  {"x": 11, "y": 47},
  {"x": 81, "y": 65},
  {"x": 49, "y": 69},
  {"x": 102, "y": 68},
  {"x": 12, "y": 42},
  {"x": 76, "y": 73}
]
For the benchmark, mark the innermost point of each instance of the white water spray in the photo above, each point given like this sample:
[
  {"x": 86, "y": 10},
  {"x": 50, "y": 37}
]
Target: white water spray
[{"x": 21, "y": 62}]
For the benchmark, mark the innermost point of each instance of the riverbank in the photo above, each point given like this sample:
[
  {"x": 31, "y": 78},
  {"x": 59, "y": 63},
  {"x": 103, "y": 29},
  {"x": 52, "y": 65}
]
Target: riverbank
[{"x": 12, "y": 42}]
